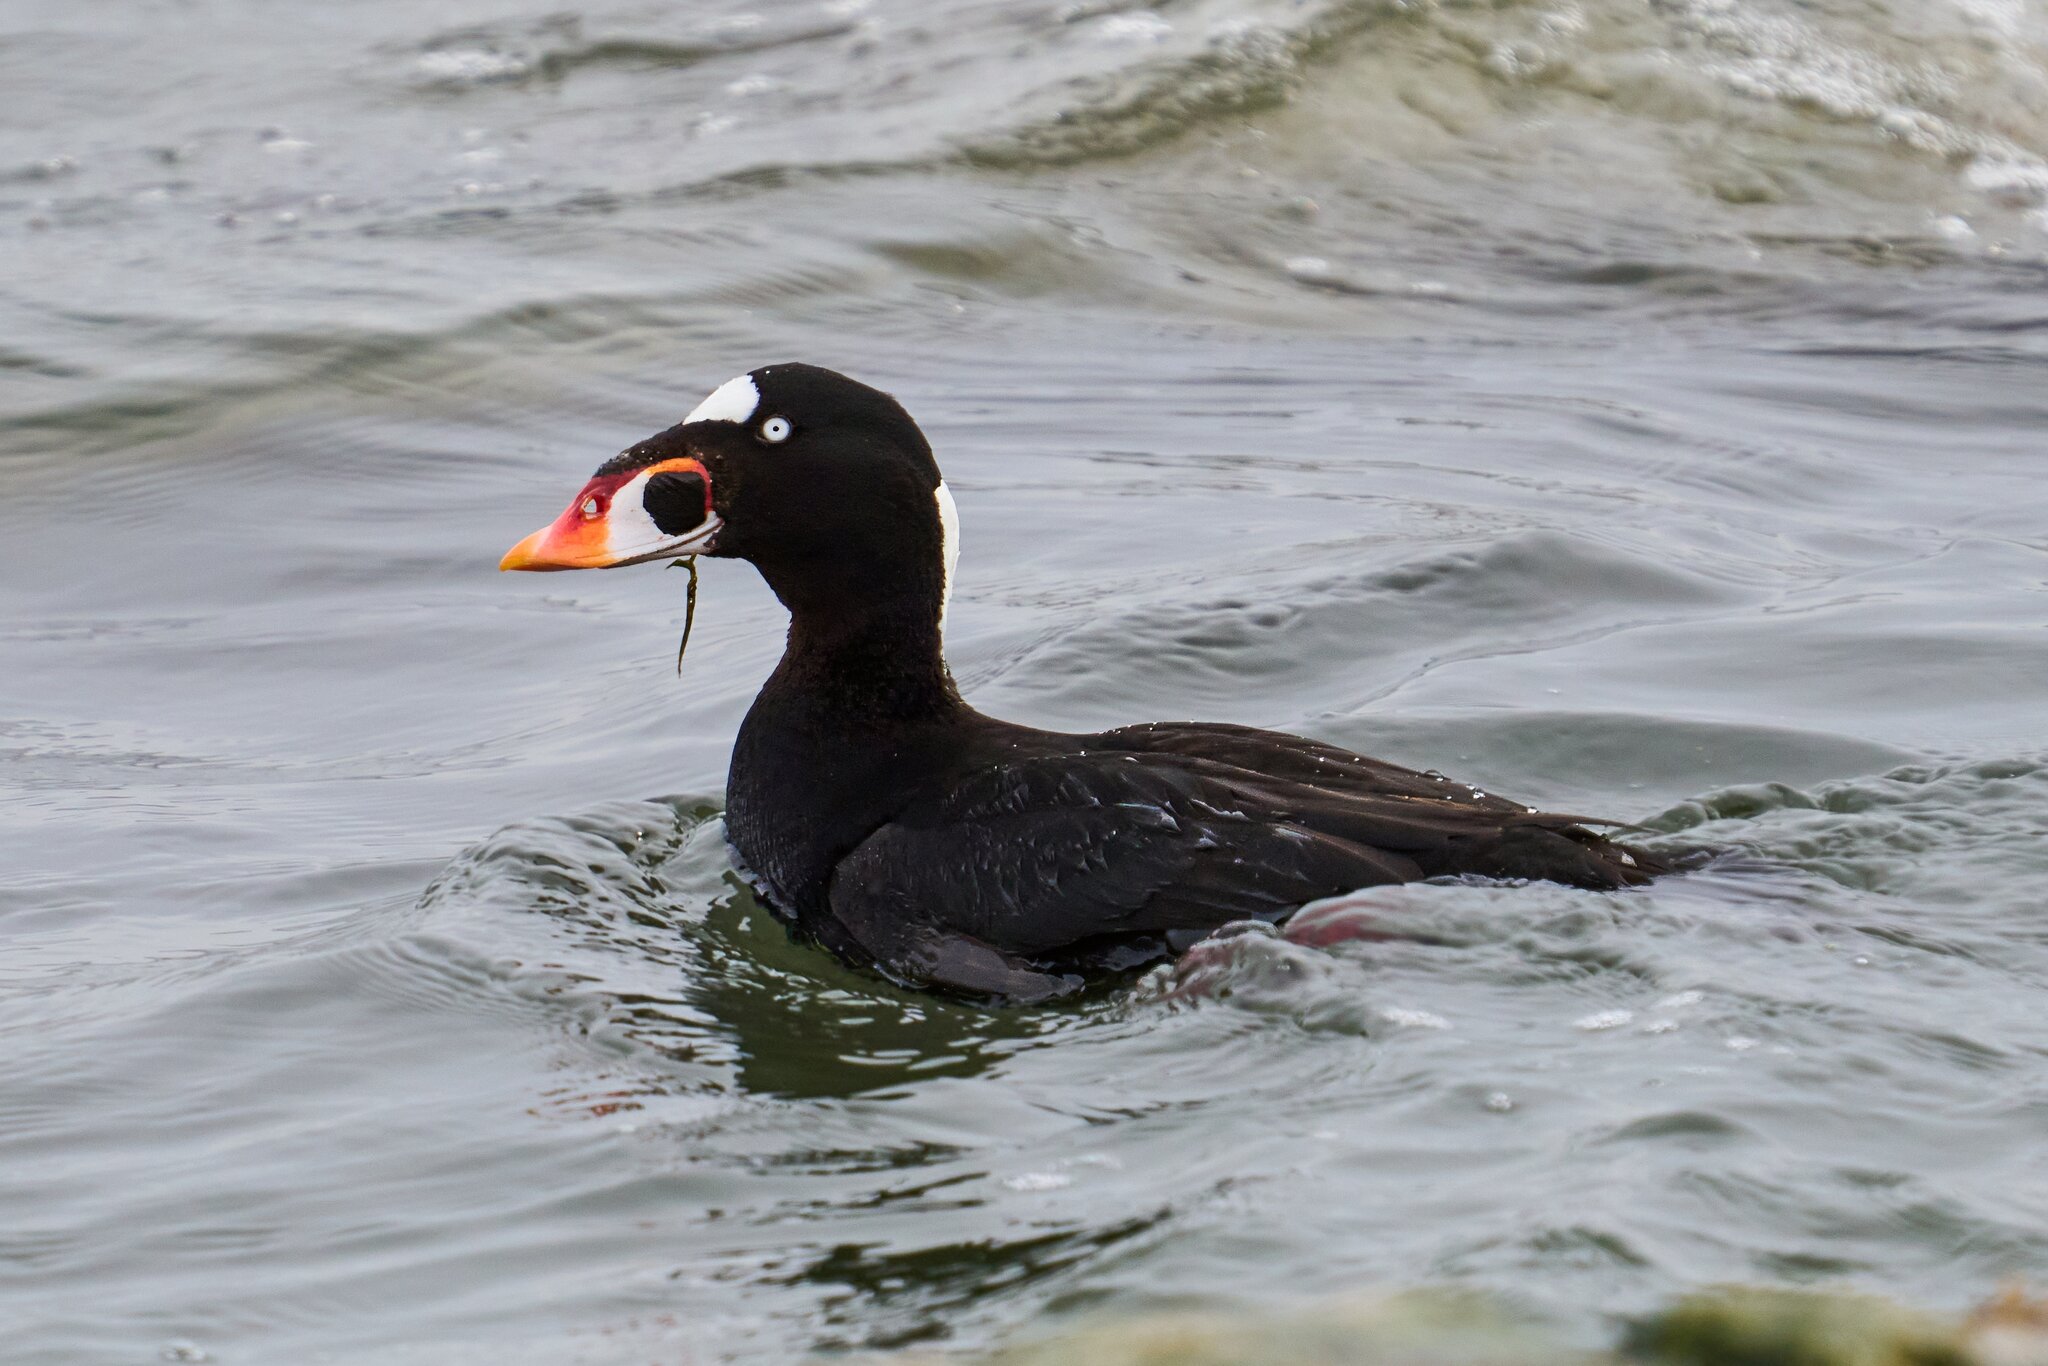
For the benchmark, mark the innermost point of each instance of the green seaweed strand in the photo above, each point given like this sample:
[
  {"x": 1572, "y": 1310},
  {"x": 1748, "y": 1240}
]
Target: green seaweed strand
[{"x": 688, "y": 562}]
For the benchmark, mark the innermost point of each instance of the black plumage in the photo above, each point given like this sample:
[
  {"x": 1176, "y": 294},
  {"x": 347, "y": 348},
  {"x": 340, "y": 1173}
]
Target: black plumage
[{"x": 903, "y": 829}]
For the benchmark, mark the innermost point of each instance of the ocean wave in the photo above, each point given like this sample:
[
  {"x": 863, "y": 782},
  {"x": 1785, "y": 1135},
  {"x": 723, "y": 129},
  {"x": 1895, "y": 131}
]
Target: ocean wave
[{"x": 1774, "y": 103}]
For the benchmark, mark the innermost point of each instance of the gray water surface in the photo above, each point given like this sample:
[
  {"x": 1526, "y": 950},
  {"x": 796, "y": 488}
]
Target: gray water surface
[{"x": 1633, "y": 409}]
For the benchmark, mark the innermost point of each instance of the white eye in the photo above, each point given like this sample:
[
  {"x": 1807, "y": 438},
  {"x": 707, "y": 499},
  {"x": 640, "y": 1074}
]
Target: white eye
[{"x": 775, "y": 429}]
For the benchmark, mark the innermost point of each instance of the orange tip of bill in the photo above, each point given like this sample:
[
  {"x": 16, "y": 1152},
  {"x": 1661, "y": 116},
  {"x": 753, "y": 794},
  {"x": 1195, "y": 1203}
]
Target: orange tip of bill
[{"x": 528, "y": 554}]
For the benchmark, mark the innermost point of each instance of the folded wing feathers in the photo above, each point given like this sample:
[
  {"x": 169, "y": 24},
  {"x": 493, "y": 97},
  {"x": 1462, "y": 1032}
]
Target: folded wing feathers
[{"x": 1046, "y": 851}]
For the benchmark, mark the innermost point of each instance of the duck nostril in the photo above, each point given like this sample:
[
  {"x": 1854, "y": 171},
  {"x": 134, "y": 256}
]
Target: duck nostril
[
  {"x": 677, "y": 500},
  {"x": 592, "y": 507}
]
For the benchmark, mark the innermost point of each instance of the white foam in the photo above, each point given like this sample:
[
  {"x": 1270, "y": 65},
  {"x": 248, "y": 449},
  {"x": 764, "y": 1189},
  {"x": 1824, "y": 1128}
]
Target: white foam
[
  {"x": 1142, "y": 26},
  {"x": 2016, "y": 181},
  {"x": 733, "y": 401},
  {"x": 470, "y": 66},
  {"x": 1785, "y": 59}
]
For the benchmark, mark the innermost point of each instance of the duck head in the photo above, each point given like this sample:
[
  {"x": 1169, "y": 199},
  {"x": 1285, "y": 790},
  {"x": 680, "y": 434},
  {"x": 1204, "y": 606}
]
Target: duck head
[{"x": 823, "y": 483}]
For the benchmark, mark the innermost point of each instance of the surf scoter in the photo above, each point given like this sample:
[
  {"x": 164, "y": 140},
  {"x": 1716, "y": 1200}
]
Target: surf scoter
[{"x": 905, "y": 830}]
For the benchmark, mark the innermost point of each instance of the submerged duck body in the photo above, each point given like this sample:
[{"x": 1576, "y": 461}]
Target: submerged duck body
[{"x": 903, "y": 829}]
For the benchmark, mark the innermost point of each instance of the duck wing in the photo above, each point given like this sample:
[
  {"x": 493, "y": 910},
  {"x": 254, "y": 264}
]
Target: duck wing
[
  {"x": 1277, "y": 754},
  {"x": 1449, "y": 828},
  {"x": 1165, "y": 829},
  {"x": 1028, "y": 857}
]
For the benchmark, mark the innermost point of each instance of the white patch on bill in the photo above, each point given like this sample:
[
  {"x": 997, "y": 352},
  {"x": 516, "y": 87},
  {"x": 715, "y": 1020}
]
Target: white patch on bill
[
  {"x": 733, "y": 401},
  {"x": 630, "y": 532},
  {"x": 949, "y": 532}
]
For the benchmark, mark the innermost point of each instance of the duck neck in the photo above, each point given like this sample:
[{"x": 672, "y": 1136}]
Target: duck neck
[
  {"x": 864, "y": 655},
  {"x": 825, "y": 753}
]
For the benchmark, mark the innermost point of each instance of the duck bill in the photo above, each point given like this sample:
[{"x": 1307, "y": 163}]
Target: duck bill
[
  {"x": 609, "y": 524},
  {"x": 554, "y": 547},
  {"x": 567, "y": 543}
]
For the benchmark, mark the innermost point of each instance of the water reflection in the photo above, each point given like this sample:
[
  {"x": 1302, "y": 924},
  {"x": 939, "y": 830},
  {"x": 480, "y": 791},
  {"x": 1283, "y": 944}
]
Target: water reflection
[
  {"x": 805, "y": 1026},
  {"x": 690, "y": 966}
]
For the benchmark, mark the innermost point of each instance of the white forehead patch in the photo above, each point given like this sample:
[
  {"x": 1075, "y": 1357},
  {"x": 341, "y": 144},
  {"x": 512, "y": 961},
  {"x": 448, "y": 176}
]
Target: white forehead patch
[
  {"x": 949, "y": 530},
  {"x": 733, "y": 401}
]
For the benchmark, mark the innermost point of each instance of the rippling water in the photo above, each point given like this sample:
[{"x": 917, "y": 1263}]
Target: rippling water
[{"x": 1635, "y": 407}]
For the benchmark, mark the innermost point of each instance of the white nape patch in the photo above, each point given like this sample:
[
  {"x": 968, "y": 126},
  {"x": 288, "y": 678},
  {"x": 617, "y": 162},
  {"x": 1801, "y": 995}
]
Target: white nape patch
[
  {"x": 733, "y": 401},
  {"x": 949, "y": 530}
]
